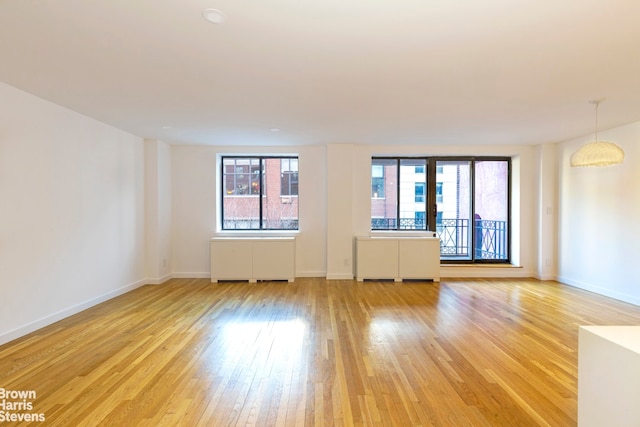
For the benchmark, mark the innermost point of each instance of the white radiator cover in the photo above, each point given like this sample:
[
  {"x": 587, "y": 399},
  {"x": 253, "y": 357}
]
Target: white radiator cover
[
  {"x": 253, "y": 259},
  {"x": 398, "y": 258}
]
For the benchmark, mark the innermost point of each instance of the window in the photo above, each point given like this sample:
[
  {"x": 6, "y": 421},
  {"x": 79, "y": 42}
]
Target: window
[
  {"x": 384, "y": 203},
  {"x": 377, "y": 181},
  {"x": 404, "y": 193},
  {"x": 289, "y": 177},
  {"x": 419, "y": 192},
  {"x": 242, "y": 177},
  {"x": 454, "y": 201},
  {"x": 259, "y": 193},
  {"x": 491, "y": 214},
  {"x": 465, "y": 200}
]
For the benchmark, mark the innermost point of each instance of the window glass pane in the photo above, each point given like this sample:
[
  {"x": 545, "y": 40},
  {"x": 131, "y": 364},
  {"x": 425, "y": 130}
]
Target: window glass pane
[
  {"x": 228, "y": 176},
  {"x": 289, "y": 177},
  {"x": 279, "y": 204},
  {"x": 377, "y": 181},
  {"x": 288, "y": 165},
  {"x": 240, "y": 205},
  {"x": 244, "y": 179},
  {"x": 454, "y": 208},
  {"x": 255, "y": 177},
  {"x": 384, "y": 191},
  {"x": 420, "y": 192},
  {"x": 491, "y": 209},
  {"x": 412, "y": 193}
]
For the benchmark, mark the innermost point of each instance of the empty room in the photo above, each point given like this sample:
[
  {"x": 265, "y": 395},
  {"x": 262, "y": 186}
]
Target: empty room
[{"x": 333, "y": 213}]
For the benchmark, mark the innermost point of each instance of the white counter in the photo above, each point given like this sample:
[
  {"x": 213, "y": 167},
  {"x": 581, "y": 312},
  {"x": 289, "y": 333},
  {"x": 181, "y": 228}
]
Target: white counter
[{"x": 609, "y": 376}]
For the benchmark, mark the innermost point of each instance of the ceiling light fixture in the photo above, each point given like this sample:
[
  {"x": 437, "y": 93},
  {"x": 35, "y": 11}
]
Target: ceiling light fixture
[
  {"x": 214, "y": 16},
  {"x": 597, "y": 153}
]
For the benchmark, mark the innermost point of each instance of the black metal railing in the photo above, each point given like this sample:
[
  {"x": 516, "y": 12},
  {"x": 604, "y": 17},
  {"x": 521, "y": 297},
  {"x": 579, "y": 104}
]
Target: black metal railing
[
  {"x": 454, "y": 237},
  {"x": 393, "y": 224},
  {"x": 490, "y": 235},
  {"x": 491, "y": 239}
]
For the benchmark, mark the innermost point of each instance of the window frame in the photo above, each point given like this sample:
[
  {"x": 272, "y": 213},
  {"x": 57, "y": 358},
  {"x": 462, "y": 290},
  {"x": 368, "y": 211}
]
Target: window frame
[
  {"x": 431, "y": 200},
  {"x": 261, "y": 193}
]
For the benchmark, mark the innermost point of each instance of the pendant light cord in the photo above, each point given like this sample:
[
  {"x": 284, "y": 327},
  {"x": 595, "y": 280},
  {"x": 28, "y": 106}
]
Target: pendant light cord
[{"x": 597, "y": 103}]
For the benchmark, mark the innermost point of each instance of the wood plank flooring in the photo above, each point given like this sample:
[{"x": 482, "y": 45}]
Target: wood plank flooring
[{"x": 315, "y": 352}]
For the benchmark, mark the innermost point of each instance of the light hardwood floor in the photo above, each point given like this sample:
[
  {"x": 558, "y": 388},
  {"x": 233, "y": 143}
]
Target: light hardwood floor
[{"x": 315, "y": 352}]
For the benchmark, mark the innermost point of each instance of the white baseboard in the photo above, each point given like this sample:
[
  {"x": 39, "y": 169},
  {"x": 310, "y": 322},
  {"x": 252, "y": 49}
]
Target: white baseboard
[
  {"x": 487, "y": 271},
  {"x": 546, "y": 277},
  {"x": 631, "y": 299},
  {"x": 200, "y": 275},
  {"x": 13, "y": 334},
  {"x": 341, "y": 276},
  {"x": 159, "y": 280},
  {"x": 311, "y": 273}
]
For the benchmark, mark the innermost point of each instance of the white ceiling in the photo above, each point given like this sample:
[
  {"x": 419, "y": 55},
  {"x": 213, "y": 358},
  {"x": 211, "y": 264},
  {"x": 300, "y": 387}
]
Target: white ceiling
[{"x": 331, "y": 71}]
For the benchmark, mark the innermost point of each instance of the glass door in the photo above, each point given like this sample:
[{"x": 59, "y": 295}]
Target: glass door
[{"x": 453, "y": 201}]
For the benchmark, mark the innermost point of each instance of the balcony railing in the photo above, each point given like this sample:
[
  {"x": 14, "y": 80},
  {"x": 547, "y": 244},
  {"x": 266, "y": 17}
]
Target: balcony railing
[
  {"x": 490, "y": 236},
  {"x": 392, "y": 224}
]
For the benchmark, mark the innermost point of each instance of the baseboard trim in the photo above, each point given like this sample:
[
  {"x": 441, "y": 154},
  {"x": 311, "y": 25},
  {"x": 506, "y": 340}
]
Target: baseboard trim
[
  {"x": 200, "y": 275},
  {"x": 159, "y": 280},
  {"x": 339, "y": 276},
  {"x": 600, "y": 291},
  {"x": 21, "y": 331},
  {"x": 483, "y": 271},
  {"x": 546, "y": 277},
  {"x": 311, "y": 273}
]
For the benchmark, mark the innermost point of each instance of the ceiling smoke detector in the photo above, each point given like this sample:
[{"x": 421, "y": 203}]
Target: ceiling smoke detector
[{"x": 214, "y": 16}]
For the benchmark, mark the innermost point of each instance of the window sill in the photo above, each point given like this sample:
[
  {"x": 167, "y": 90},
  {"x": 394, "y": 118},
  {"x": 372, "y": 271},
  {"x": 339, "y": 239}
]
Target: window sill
[
  {"x": 478, "y": 265},
  {"x": 400, "y": 233},
  {"x": 256, "y": 233}
]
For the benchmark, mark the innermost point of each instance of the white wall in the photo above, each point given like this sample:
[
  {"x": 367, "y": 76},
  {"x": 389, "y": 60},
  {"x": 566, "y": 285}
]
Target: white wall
[
  {"x": 195, "y": 215},
  {"x": 340, "y": 176},
  {"x": 72, "y": 220},
  {"x": 158, "y": 210},
  {"x": 598, "y": 224},
  {"x": 335, "y": 206},
  {"x": 547, "y": 204}
]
